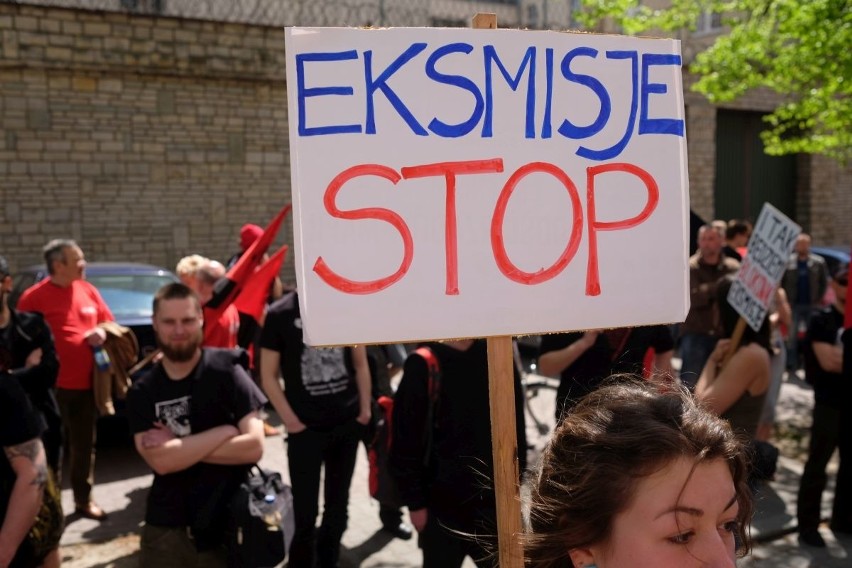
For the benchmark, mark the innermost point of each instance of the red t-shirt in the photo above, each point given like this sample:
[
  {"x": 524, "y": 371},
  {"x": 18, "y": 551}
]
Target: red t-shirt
[
  {"x": 70, "y": 313},
  {"x": 221, "y": 331}
]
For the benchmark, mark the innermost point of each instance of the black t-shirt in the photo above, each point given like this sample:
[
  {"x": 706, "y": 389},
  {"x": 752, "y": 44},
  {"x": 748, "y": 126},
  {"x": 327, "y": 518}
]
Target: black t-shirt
[
  {"x": 613, "y": 352},
  {"x": 218, "y": 391},
  {"x": 319, "y": 383},
  {"x": 19, "y": 423},
  {"x": 832, "y": 389}
]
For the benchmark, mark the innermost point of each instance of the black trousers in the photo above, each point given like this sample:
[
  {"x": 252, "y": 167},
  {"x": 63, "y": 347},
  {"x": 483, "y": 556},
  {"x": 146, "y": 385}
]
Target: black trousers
[
  {"x": 445, "y": 545},
  {"x": 832, "y": 428},
  {"x": 307, "y": 452}
]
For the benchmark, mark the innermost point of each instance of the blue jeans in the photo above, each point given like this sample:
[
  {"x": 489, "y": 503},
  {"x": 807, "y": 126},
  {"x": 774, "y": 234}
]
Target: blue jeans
[
  {"x": 695, "y": 349},
  {"x": 801, "y": 319}
]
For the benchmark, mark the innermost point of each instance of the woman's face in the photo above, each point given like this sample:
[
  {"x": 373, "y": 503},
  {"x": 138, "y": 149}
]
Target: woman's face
[{"x": 675, "y": 523}]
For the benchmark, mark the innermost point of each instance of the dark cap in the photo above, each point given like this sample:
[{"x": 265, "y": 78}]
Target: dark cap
[
  {"x": 840, "y": 271},
  {"x": 4, "y": 267}
]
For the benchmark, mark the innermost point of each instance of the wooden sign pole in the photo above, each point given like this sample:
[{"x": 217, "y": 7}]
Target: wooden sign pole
[
  {"x": 736, "y": 337},
  {"x": 504, "y": 435},
  {"x": 504, "y": 448}
]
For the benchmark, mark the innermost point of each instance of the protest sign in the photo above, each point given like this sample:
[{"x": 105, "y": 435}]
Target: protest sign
[
  {"x": 471, "y": 183},
  {"x": 769, "y": 248}
]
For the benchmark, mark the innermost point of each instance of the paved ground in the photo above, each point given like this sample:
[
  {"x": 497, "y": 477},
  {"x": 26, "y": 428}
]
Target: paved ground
[{"x": 123, "y": 480}]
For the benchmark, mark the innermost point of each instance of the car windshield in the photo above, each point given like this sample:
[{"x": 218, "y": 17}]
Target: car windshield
[{"x": 129, "y": 295}]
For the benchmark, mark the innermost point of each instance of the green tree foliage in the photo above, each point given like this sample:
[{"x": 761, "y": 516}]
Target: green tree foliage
[{"x": 799, "y": 48}]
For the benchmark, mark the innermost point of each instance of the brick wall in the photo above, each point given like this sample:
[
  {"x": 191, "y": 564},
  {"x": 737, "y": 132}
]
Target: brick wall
[
  {"x": 143, "y": 138},
  {"x": 823, "y": 186},
  {"x": 150, "y": 138}
]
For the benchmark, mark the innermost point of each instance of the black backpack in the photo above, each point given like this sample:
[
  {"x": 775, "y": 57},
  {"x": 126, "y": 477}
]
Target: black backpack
[
  {"x": 262, "y": 523},
  {"x": 380, "y": 440}
]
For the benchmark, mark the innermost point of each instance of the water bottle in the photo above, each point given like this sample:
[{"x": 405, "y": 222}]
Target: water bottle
[
  {"x": 101, "y": 359},
  {"x": 271, "y": 514}
]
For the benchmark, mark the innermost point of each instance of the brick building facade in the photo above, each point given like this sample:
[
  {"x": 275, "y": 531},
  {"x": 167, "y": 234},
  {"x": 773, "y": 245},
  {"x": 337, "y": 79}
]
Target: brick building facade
[
  {"x": 148, "y": 138},
  {"x": 143, "y": 138}
]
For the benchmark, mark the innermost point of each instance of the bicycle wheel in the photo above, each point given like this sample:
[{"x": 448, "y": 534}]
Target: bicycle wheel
[{"x": 540, "y": 401}]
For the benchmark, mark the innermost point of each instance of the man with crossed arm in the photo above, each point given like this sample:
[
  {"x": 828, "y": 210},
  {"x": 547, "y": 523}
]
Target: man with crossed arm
[
  {"x": 195, "y": 421},
  {"x": 23, "y": 474}
]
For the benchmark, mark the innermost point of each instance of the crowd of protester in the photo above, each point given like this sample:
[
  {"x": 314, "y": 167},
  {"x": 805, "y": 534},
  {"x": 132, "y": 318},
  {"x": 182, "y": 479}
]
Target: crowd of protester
[{"x": 637, "y": 450}]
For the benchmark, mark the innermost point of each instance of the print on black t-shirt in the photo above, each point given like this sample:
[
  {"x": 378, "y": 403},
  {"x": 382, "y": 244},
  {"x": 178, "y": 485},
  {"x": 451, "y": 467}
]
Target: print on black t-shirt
[
  {"x": 324, "y": 370},
  {"x": 175, "y": 415}
]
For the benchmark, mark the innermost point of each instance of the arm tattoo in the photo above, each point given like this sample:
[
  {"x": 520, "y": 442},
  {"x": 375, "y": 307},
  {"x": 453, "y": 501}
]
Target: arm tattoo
[{"x": 32, "y": 451}]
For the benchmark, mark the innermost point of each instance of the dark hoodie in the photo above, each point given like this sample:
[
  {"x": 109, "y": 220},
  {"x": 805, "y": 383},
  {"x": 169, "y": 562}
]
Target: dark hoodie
[{"x": 457, "y": 483}]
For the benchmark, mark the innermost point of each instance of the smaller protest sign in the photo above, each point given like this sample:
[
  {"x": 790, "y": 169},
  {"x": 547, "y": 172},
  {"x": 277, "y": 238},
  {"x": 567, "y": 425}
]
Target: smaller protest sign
[{"x": 769, "y": 248}]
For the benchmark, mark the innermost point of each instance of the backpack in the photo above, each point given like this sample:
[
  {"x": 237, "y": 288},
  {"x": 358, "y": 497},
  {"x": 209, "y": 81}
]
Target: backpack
[
  {"x": 382, "y": 486},
  {"x": 262, "y": 523}
]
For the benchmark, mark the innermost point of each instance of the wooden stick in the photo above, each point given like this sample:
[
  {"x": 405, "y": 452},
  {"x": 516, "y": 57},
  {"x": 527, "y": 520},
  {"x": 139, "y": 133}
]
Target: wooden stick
[
  {"x": 735, "y": 342},
  {"x": 484, "y": 21},
  {"x": 148, "y": 358},
  {"x": 504, "y": 447},
  {"x": 504, "y": 436}
]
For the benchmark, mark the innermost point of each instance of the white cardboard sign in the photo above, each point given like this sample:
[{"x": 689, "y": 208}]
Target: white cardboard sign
[
  {"x": 456, "y": 183},
  {"x": 763, "y": 267}
]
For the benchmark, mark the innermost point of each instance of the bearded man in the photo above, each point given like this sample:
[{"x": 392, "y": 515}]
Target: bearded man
[{"x": 195, "y": 421}]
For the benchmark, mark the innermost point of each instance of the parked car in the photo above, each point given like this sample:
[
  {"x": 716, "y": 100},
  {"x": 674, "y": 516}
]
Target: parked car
[
  {"x": 127, "y": 288},
  {"x": 834, "y": 256}
]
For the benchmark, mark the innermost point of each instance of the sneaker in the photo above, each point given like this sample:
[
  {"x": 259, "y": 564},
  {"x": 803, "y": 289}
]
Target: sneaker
[{"x": 811, "y": 537}]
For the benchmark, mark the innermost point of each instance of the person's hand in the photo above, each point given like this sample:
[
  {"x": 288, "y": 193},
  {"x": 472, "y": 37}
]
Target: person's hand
[
  {"x": 295, "y": 426},
  {"x": 719, "y": 352},
  {"x": 33, "y": 359},
  {"x": 95, "y": 337},
  {"x": 364, "y": 416},
  {"x": 419, "y": 518},
  {"x": 157, "y": 436}
]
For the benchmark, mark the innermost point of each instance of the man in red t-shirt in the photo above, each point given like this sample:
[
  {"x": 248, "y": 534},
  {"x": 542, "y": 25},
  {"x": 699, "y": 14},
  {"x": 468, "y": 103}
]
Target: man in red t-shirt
[{"x": 73, "y": 308}]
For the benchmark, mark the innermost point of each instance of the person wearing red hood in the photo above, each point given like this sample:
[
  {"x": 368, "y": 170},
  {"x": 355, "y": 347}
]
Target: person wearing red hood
[
  {"x": 249, "y": 334},
  {"x": 248, "y": 234}
]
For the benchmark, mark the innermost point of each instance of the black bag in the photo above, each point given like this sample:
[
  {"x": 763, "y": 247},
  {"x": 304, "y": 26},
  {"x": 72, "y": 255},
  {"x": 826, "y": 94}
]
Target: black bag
[
  {"x": 764, "y": 460},
  {"x": 262, "y": 523}
]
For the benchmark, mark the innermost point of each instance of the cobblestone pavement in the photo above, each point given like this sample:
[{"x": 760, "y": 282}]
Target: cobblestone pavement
[{"x": 123, "y": 479}]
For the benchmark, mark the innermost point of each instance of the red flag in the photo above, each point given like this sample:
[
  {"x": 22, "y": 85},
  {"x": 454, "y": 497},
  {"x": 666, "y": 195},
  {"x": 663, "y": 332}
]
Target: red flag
[
  {"x": 252, "y": 298},
  {"x": 228, "y": 287}
]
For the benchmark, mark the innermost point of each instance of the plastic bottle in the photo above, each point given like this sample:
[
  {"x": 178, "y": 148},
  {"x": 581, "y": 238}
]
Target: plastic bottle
[
  {"x": 271, "y": 514},
  {"x": 102, "y": 359}
]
